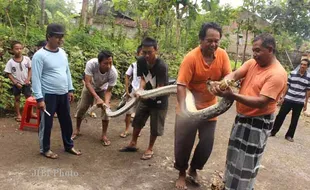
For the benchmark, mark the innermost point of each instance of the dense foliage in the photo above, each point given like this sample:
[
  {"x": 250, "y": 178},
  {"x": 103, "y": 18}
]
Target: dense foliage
[{"x": 174, "y": 23}]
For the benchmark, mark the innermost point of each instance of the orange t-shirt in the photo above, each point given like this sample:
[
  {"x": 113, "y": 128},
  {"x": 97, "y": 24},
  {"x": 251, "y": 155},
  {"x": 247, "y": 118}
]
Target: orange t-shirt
[
  {"x": 268, "y": 81},
  {"x": 194, "y": 72}
]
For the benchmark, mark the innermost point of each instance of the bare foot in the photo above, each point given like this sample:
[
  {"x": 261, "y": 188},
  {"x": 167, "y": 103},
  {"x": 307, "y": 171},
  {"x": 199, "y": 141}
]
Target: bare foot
[{"x": 181, "y": 183}]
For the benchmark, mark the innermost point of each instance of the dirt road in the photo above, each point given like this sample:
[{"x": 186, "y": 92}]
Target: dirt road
[{"x": 285, "y": 165}]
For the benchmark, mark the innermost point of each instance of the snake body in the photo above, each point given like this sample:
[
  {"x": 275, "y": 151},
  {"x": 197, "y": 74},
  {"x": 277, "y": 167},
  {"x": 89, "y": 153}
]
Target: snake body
[{"x": 190, "y": 109}]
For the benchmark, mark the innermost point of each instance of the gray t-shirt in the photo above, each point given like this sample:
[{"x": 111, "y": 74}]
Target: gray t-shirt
[
  {"x": 18, "y": 70},
  {"x": 100, "y": 81}
]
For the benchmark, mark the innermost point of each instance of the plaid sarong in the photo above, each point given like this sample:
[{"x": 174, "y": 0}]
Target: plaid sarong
[{"x": 245, "y": 149}]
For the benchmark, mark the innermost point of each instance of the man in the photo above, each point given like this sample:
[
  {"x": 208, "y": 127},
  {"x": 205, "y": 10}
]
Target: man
[
  {"x": 207, "y": 61},
  {"x": 100, "y": 78},
  {"x": 53, "y": 89},
  {"x": 296, "y": 99},
  {"x": 131, "y": 89},
  {"x": 154, "y": 73},
  {"x": 264, "y": 80},
  {"x": 18, "y": 69}
]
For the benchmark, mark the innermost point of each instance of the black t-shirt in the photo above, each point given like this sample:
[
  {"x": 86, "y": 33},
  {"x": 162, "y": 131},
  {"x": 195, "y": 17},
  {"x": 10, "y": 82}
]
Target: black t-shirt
[{"x": 154, "y": 76}]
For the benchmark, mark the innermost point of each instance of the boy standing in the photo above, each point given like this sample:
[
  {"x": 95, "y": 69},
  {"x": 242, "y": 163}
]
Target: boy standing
[{"x": 18, "y": 69}]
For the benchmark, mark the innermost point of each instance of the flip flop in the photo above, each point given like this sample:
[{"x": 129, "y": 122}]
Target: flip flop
[
  {"x": 105, "y": 142},
  {"x": 129, "y": 149},
  {"x": 18, "y": 119},
  {"x": 147, "y": 156},
  {"x": 124, "y": 134},
  {"x": 192, "y": 180},
  {"x": 75, "y": 136},
  {"x": 50, "y": 154},
  {"x": 74, "y": 152}
]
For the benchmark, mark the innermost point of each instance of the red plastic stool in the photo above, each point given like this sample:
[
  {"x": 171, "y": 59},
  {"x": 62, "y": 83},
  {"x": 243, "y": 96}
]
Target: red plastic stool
[{"x": 26, "y": 116}]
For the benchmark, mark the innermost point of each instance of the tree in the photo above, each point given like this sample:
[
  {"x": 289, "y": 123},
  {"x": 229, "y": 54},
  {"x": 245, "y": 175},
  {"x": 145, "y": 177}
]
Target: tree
[
  {"x": 42, "y": 17},
  {"x": 291, "y": 16},
  {"x": 84, "y": 13}
]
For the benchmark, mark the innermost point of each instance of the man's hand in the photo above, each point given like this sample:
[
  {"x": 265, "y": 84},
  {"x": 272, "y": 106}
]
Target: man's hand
[
  {"x": 183, "y": 112},
  {"x": 127, "y": 95},
  {"x": 305, "y": 107},
  {"x": 99, "y": 102},
  {"x": 280, "y": 102},
  {"x": 19, "y": 86},
  {"x": 41, "y": 105},
  {"x": 138, "y": 93},
  {"x": 27, "y": 81},
  {"x": 227, "y": 93},
  {"x": 71, "y": 97}
]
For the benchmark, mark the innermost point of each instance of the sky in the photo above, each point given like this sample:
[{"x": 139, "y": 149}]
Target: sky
[{"x": 233, "y": 3}]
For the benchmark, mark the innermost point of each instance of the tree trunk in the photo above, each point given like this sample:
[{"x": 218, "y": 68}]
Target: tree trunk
[
  {"x": 84, "y": 13},
  {"x": 246, "y": 41},
  {"x": 94, "y": 12},
  {"x": 237, "y": 53},
  {"x": 42, "y": 16}
]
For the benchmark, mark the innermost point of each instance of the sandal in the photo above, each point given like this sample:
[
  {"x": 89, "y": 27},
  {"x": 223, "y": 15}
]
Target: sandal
[
  {"x": 50, "y": 154},
  {"x": 192, "y": 180},
  {"x": 105, "y": 142},
  {"x": 124, "y": 134},
  {"x": 18, "y": 119},
  {"x": 75, "y": 136},
  {"x": 147, "y": 156},
  {"x": 74, "y": 152},
  {"x": 128, "y": 149}
]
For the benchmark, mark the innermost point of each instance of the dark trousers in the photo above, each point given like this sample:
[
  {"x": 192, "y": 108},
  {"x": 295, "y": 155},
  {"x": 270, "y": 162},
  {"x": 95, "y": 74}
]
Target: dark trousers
[
  {"x": 59, "y": 104},
  {"x": 185, "y": 134},
  {"x": 284, "y": 110}
]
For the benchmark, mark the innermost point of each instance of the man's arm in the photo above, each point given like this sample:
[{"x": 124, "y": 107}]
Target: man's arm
[
  {"x": 70, "y": 85},
  {"x": 29, "y": 77},
  {"x": 181, "y": 94},
  {"x": 37, "y": 69},
  {"x": 90, "y": 88},
  {"x": 142, "y": 83},
  {"x": 14, "y": 81},
  {"x": 107, "y": 96},
  {"x": 236, "y": 75},
  {"x": 306, "y": 101},
  {"x": 127, "y": 84}
]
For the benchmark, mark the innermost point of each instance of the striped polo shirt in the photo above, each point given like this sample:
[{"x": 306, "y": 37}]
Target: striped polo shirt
[{"x": 297, "y": 87}]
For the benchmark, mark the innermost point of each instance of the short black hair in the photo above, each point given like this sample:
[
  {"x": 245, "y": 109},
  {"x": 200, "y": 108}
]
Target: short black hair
[
  {"x": 267, "y": 40},
  {"x": 41, "y": 43},
  {"x": 209, "y": 25},
  {"x": 148, "y": 42},
  {"x": 139, "y": 48},
  {"x": 14, "y": 42},
  {"x": 105, "y": 54},
  {"x": 306, "y": 60}
]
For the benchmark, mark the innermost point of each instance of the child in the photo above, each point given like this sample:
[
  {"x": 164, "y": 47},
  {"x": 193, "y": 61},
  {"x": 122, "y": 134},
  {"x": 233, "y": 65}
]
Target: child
[
  {"x": 131, "y": 88},
  {"x": 18, "y": 70}
]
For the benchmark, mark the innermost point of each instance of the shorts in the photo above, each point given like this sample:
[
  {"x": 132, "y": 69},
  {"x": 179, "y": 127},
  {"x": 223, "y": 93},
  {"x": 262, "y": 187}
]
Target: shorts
[
  {"x": 157, "y": 122},
  {"x": 25, "y": 90},
  {"x": 87, "y": 101}
]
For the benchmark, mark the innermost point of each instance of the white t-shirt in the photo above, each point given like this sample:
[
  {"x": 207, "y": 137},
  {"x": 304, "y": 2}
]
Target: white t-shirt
[
  {"x": 101, "y": 81},
  {"x": 132, "y": 71},
  {"x": 18, "y": 70}
]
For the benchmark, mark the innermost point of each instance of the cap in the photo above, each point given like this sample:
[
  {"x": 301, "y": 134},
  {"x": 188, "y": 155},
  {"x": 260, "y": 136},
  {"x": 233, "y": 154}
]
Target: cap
[{"x": 54, "y": 28}]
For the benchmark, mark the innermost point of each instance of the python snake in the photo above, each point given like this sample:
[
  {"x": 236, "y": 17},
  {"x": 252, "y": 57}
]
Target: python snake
[{"x": 190, "y": 109}]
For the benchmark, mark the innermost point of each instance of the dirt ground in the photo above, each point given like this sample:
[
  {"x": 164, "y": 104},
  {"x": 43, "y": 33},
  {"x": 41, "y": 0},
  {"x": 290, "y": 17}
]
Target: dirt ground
[{"x": 285, "y": 165}]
